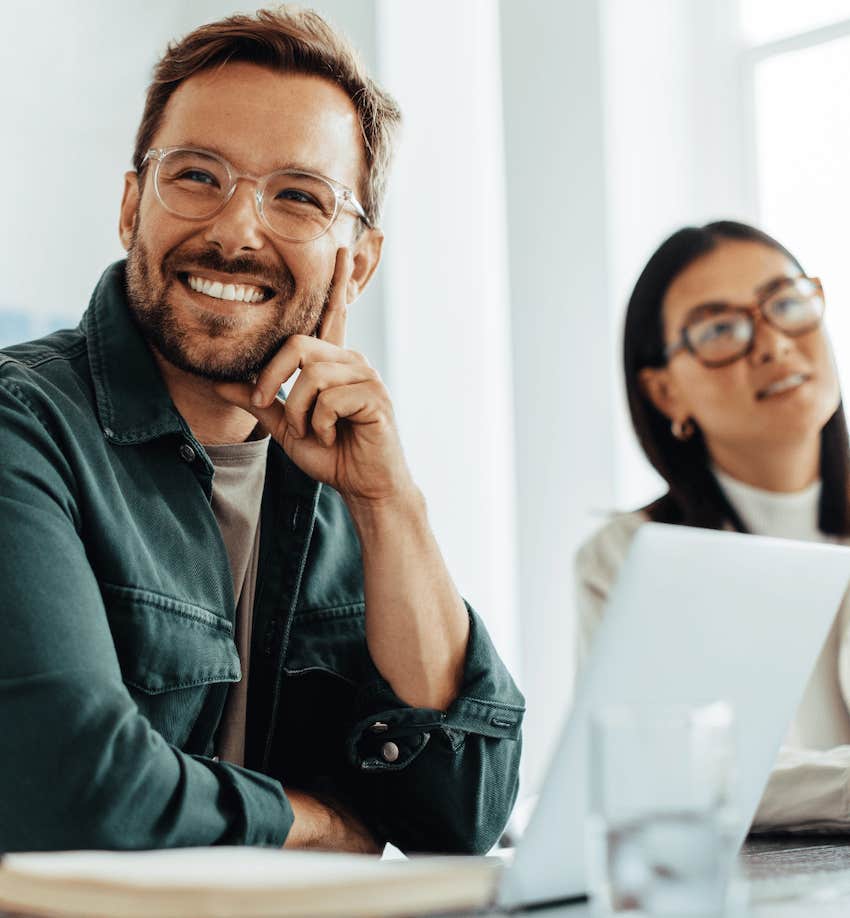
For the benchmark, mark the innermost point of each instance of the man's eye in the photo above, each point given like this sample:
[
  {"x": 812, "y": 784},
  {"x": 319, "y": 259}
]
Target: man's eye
[
  {"x": 297, "y": 196},
  {"x": 198, "y": 176}
]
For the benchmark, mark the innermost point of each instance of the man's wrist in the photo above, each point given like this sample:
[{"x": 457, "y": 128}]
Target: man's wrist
[
  {"x": 373, "y": 516},
  {"x": 313, "y": 822}
]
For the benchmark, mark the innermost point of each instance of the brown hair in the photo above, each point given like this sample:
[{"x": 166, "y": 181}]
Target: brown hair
[{"x": 288, "y": 39}]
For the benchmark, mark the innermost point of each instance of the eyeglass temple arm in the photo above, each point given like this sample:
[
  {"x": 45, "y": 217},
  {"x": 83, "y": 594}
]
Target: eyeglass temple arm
[
  {"x": 672, "y": 349},
  {"x": 358, "y": 209}
]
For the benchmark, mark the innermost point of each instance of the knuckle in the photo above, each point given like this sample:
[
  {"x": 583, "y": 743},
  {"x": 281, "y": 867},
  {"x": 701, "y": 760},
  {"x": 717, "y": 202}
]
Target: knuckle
[
  {"x": 309, "y": 374},
  {"x": 381, "y": 392},
  {"x": 323, "y": 399},
  {"x": 297, "y": 344}
]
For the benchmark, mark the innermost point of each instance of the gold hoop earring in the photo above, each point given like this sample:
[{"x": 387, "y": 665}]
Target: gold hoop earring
[{"x": 683, "y": 430}]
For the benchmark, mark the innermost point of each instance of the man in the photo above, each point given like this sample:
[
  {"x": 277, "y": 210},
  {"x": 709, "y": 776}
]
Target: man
[{"x": 226, "y": 617}]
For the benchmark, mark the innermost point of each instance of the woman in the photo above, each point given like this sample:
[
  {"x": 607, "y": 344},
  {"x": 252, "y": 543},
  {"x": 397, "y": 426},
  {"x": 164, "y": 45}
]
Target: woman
[{"x": 734, "y": 396}]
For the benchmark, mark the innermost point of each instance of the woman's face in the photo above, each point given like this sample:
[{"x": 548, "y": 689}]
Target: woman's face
[{"x": 785, "y": 389}]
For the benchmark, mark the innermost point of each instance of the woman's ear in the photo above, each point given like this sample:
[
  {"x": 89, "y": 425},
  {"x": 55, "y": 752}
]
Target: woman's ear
[
  {"x": 366, "y": 253},
  {"x": 659, "y": 388},
  {"x": 129, "y": 209}
]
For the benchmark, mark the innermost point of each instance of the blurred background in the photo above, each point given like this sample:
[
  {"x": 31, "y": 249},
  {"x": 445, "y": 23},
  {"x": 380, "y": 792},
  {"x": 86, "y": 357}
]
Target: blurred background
[{"x": 548, "y": 148}]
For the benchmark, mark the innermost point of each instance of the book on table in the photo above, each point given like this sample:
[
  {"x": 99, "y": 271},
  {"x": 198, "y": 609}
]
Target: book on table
[{"x": 234, "y": 882}]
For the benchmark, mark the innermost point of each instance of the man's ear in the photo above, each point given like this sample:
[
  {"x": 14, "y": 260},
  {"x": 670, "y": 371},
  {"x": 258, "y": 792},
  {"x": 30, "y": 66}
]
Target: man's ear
[
  {"x": 661, "y": 390},
  {"x": 366, "y": 254},
  {"x": 129, "y": 208}
]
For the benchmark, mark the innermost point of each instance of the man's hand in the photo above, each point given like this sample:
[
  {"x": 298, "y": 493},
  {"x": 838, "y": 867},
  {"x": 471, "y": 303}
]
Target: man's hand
[
  {"x": 337, "y": 424},
  {"x": 327, "y": 825}
]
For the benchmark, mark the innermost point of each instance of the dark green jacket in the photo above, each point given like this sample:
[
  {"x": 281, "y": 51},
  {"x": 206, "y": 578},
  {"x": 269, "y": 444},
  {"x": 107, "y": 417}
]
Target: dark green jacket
[{"x": 117, "y": 643}]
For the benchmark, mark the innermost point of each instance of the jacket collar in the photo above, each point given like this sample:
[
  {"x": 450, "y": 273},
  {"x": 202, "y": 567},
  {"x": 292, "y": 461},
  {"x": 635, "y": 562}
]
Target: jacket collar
[{"x": 132, "y": 400}]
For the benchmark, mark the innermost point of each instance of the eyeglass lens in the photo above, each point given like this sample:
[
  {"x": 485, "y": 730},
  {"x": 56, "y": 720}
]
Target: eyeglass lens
[
  {"x": 725, "y": 334},
  {"x": 295, "y": 205}
]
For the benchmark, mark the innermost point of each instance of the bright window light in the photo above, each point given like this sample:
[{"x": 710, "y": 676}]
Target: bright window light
[
  {"x": 767, "y": 20},
  {"x": 802, "y": 152}
]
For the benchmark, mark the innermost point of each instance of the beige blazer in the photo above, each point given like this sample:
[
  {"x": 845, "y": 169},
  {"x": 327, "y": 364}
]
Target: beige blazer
[{"x": 809, "y": 787}]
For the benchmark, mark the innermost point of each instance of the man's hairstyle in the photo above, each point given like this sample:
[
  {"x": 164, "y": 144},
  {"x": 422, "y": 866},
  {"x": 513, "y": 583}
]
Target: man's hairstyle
[{"x": 289, "y": 39}]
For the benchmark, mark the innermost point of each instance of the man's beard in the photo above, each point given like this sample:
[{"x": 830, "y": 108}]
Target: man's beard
[{"x": 195, "y": 351}]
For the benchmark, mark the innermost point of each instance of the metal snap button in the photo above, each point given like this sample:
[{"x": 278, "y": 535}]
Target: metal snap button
[
  {"x": 389, "y": 751},
  {"x": 379, "y": 727},
  {"x": 187, "y": 454}
]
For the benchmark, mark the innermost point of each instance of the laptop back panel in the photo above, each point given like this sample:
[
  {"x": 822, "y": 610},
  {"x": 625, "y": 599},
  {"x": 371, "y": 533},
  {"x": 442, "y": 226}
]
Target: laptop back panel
[{"x": 695, "y": 616}]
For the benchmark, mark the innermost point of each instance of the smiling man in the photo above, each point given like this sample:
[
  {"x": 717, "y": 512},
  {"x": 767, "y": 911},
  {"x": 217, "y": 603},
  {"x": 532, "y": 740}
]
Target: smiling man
[{"x": 226, "y": 618}]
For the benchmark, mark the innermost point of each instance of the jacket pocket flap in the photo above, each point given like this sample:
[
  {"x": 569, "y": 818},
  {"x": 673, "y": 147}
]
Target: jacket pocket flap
[
  {"x": 165, "y": 644},
  {"x": 331, "y": 640}
]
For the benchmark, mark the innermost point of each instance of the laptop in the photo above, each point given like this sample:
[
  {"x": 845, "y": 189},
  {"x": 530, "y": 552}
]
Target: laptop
[{"x": 696, "y": 615}]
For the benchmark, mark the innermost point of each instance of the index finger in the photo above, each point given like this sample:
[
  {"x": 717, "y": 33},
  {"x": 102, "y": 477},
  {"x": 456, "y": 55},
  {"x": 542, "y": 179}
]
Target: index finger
[{"x": 336, "y": 314}]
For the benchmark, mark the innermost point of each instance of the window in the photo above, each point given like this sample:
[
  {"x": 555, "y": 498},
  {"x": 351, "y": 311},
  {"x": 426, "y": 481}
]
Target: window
[
  {"x": 800, "y": 84},
  {"x": 768, "y": 20}
]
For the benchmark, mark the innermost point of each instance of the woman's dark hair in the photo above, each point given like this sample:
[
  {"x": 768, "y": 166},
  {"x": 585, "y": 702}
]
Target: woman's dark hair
[{"x": 695, "y": 498}]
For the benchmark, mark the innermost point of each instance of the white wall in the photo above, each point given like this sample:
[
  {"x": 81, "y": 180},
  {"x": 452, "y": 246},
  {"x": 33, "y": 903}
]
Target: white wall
[
  {"x": 675, "y": 154},
  {"x": 623, "y": 122},
  {"x": 446, "y": 287},
  {"x": 561, "y": 330}
]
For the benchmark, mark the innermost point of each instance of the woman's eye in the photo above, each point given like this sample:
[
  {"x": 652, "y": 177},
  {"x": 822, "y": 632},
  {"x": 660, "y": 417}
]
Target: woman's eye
[
  {"x": 789, "y": 306},
  {"x": 718, "y": 330}
]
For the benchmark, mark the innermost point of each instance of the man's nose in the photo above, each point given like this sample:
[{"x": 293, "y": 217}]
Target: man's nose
[
  {"x": 769, "y": 344},
  {"x": 236, "y": 228}
]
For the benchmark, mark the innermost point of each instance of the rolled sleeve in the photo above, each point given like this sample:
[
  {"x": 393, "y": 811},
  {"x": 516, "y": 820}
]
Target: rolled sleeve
[
  {"x": 441, "y": 781},
  {"x": 390, "y": 734}
]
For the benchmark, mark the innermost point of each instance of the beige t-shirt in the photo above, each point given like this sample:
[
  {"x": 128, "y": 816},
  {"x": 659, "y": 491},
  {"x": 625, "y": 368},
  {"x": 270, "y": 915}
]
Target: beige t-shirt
[{"x": 237, "y": 494}]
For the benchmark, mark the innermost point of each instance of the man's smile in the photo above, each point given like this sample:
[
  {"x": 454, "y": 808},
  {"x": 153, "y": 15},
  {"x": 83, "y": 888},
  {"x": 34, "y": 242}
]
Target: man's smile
[
  {"x": 225, "y": 287},
  {"x": 244, "y": 293}
]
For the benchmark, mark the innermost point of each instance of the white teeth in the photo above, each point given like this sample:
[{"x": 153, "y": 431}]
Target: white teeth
[
  {"x": 782, "y": 385},
  {"x": 242, "y": 293}
]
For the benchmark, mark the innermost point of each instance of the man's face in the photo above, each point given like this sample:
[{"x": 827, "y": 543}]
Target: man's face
[{"x": 258, "y": 120}]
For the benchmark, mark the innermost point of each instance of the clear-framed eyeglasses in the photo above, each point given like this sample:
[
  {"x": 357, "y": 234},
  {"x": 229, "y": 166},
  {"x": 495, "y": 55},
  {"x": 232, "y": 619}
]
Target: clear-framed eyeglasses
[
  {"x": 718, "y": 334},
  {"x": 297, "y": 206}
]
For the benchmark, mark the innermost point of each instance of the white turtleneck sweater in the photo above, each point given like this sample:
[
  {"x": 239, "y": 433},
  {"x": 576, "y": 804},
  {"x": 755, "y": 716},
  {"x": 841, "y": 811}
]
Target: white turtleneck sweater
[{"x": 809, "y": 788}]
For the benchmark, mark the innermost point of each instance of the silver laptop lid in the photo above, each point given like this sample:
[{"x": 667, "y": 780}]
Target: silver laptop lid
[{"x": 696, "y": 615}]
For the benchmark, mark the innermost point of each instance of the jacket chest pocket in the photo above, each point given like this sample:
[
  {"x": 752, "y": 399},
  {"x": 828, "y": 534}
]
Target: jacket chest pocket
[{"x": 172, "y": 654}]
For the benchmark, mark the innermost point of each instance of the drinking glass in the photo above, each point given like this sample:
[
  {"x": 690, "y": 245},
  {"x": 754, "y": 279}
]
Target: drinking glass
[{"x": 661, "y": 829}]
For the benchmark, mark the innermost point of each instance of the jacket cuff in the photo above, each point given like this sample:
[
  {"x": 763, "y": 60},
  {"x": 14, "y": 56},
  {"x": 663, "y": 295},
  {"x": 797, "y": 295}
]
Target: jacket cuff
[
  {"x": 390, "y": 734},
  {"x": 267, "y": 814}
]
